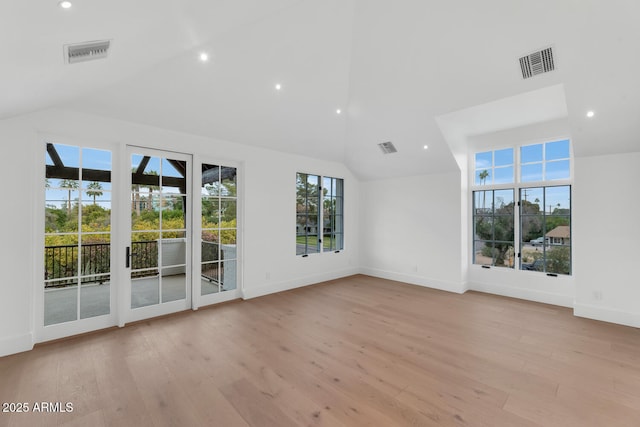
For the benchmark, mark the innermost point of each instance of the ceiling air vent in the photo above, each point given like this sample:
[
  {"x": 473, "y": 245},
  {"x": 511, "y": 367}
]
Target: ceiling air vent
[
  {"x": 537, "y": 63},
  {"x": 387, "y": 147},
  {"x": 86, "y": 51}
]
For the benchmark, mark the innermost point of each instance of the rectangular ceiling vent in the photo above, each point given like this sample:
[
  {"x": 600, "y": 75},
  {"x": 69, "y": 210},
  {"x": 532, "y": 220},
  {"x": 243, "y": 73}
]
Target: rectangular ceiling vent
[
  {"x": 537, "y": 63},
  {"x": 387, "y": 147},
  {"x": 88, "y": 51}
]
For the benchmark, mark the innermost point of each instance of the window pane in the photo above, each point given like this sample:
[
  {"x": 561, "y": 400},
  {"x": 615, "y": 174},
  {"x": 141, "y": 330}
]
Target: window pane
[
  {"x": 557, "y": 150},
  {"x": 211, "y": 180},
  {"x": 504, "y": 201},
  {"x": 531, "y": 231},
  {"x": 96, "y": 159},
  {"x": 503, "y": 157},
  {"x": 210, "y": 246},
  {"x": 69, "y": 155},
  {"x": 503, "y": 175},
  {"x": 210, "y": 282},
  {"x": 531, "y": 153},
  {"x": 559, "y": 260},
  {"x": 229, "y": 187},
  {"x": 227, "y": 212},
  {"x": 558, "y": 199},
  {"x": 484, "y": 160},
  {"x": 482, "y": 201},
  {"x": 228, "y": 275},
  {"x": 532, "y": 200},
  {"x": 60, "y": 257},
  {"x": 94, "y": 296},
  {"x": 531, "y": 173},
  {"x": 483, "y": 177},
  {"x": 483, "y": 227},
  {"x": 483, "y": 253},
  {"x": 558, "y": 170},
  {"x": 210, "y": 212},
  {"x": 60, "y": 303}
]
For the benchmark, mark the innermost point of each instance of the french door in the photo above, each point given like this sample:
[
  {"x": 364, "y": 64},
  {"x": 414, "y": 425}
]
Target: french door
[
  {"x": 158, "y": 243},
  {"x": 133, "y": 233}
]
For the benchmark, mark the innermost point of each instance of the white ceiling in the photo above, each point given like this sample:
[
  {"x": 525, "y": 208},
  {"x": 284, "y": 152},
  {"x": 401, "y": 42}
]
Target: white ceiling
[{"x": 414, "y": 72}]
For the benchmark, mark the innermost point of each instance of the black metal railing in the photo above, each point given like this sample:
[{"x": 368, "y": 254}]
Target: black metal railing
[
  {"x": 61, "y": 262},
  {"x": 211, "y": 270}
]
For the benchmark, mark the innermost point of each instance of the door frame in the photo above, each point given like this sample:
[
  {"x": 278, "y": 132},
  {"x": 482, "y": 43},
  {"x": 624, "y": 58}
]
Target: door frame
[{"x": 126, "y": 314}]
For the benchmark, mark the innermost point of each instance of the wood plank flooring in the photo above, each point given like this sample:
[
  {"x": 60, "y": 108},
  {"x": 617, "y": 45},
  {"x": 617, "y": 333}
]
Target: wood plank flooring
[{"x": 350, "y": 352}]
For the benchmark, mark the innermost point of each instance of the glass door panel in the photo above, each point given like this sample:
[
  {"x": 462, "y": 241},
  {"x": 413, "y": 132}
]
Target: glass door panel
[
  {"x": 159, "y": 255},
  {"x": 218, "y": 197},
  {"x": 77, "y": 252}
]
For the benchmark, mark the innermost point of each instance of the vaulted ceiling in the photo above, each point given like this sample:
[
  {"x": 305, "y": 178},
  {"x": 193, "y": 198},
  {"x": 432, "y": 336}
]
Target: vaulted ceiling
[{"x": 414, "y": 72}]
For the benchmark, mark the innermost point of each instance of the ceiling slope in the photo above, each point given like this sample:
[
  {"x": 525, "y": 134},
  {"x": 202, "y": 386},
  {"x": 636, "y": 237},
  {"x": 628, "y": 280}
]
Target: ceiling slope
[{"x": 413, "y": 72}]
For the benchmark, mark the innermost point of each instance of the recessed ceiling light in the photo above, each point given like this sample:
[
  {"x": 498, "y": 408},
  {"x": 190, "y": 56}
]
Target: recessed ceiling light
[
  {"x": 426, "y": 147},
  {"x": 65, "y": 4},
  {"x": 204, "y": 57},
  {"x": 278, "y": 86},
  {"x": 338, "y": 111},
  {"x": 590, "y": 114}
]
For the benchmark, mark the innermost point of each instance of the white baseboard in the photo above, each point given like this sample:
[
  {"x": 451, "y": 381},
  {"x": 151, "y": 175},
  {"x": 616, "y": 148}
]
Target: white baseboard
[
  {"x": 258, "y": 291},
  {"x": 521, "y": 293},
  {"x": 605, "y": 314},
  {"x": 16, "y": 344},
  {"x": 458, "y": 288}
]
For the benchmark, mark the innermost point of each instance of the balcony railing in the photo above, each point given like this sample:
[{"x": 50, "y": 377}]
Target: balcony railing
[{"x": 61, "y": 262}]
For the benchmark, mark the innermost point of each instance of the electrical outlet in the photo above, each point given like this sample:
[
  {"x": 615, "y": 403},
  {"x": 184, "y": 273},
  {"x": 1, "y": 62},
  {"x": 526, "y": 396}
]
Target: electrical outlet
[{"x": 267, "y": 275}]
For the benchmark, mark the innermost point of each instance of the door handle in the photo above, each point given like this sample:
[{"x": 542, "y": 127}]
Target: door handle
[{"x": 129, "y": 254}]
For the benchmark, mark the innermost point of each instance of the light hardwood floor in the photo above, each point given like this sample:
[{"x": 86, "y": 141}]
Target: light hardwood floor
[{"x": 355, "y": 351}]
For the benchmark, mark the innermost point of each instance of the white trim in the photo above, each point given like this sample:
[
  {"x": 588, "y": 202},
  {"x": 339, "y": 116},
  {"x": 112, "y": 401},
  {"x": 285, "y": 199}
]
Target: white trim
[
  {"x": 523, "y": 293},
  {"x": 16, "y": 344},
  {"x": 258, "y": 291},
  {"x": 217, "y": 298},
  {"x": 607, "y": 314},
  {"x": 458, "y": 288}
]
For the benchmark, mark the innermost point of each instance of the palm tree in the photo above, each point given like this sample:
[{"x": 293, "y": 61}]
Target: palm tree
[
  {"x": 94, "y": 190},
  {"x": 69, "y": 184},
  {"x": 483, "y": 178}
]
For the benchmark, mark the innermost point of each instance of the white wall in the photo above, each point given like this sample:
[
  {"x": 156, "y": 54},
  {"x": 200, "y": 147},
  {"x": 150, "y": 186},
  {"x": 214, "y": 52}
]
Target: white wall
[
  {"x": 270, "y": 263},
  {"x": 607, "y": 238},
  {"x": 410, "y": 230},
  {"x": 16, "y": 253}
]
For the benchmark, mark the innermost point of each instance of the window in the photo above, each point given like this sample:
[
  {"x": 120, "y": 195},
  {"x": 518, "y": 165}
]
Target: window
[
  {"x": 319, "y": 214},
  {"x": 545, "y": 221},
  {"x": 539, "y": 219},
  {"x": 494, "y": 167},
  {"x": 544, "y": 162}
]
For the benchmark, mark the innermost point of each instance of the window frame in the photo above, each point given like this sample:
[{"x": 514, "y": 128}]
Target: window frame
[
  {"x": 334, "y": 216},
  {"x": 518, "y": 185}
]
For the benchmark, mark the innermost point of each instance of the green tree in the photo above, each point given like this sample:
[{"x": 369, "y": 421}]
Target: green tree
[
  {"x": 497, "y": 228},
  {"x": 559, "y": 260},
  {"x": 69, "y": 184},
  {"x": 94, "y": 190}
]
